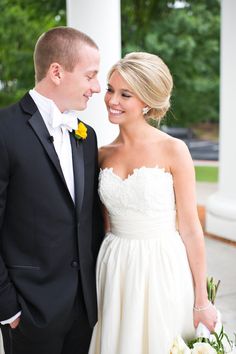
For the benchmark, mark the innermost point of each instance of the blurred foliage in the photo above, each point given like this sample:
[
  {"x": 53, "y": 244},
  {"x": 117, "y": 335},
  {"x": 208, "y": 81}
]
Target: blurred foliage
[
  {"x": 22, "y": 21},
  {"x": 185, "y": 35}
]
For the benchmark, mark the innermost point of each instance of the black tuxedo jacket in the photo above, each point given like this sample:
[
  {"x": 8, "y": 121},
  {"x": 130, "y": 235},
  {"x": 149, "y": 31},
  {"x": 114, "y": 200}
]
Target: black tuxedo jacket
[{"x": 46, "y": 240}]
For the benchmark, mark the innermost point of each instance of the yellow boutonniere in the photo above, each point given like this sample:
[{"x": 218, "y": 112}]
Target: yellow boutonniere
[{"x": 81, "y": 131}]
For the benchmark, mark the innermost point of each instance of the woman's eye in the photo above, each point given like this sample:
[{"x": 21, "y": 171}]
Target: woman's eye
[
  {"x": 109, "y": 89},
  {"x": 125, "y": 95}
]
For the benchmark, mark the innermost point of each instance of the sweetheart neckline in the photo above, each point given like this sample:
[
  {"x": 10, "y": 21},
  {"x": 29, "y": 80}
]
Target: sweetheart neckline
[{"x": 134, "y": 171}]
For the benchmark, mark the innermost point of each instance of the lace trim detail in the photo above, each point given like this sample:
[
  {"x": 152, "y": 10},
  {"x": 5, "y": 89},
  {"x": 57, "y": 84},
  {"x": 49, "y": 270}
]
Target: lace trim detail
[
  {"x": 135, "y": 170},
  {"x": 147, "y": 189}
]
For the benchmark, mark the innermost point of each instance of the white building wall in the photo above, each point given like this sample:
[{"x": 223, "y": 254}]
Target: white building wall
[
  {"x": 221, "y": 206},
  {"x": 101, "y": 21}
]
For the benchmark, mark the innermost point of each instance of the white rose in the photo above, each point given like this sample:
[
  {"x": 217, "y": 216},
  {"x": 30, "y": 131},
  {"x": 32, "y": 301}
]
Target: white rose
[
  {"x": 179, "y": 347},
  {"x": 203, "y": 348}
]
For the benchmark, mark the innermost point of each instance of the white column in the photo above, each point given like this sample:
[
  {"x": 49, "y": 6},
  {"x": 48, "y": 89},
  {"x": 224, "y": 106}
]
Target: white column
[
  {"x": 221, "y": 206},
  {"x": 101, "y": 21}
]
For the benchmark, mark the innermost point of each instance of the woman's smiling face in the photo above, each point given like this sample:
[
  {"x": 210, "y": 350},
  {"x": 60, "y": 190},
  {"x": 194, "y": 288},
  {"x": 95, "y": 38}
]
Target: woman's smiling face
[{"x": 123, "y": 105}]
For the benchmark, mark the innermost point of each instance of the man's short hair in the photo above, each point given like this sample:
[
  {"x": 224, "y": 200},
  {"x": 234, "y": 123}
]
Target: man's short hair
[{"x": 60, "y": 45}]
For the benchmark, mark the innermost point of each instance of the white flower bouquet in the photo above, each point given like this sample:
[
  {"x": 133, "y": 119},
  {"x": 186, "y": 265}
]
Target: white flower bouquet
[{"x": 205, "y": 342}]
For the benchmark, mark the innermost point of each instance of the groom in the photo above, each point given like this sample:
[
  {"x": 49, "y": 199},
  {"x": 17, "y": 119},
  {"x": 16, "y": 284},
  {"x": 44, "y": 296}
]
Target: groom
[{"x": 50, "y": 229}]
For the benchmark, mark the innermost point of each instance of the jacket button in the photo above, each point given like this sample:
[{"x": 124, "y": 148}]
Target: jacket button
[{"x": 75, "y": 264}]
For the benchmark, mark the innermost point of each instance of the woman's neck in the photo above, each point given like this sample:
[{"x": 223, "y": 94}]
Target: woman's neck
[{"x": 134, "y": 133}]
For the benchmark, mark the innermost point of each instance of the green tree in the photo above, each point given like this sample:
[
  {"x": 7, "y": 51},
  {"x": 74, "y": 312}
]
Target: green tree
[
  {"x": 22, "y": 21},
  {"x": 187, "y": 38}
]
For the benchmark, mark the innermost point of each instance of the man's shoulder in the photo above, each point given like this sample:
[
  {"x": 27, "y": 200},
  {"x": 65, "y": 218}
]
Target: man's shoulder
[
  {"x": 11, "y": 112},
  {"x": 13, "y": 106},
  {"x": 7, "y": 114},
  {"x": 9, "y": 108}
]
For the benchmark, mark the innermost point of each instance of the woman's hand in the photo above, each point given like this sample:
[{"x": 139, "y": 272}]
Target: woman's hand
[{"x": 207, "y": 315}]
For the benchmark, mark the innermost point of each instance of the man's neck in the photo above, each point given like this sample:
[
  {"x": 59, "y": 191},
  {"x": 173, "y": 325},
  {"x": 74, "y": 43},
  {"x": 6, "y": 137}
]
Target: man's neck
[{"x": 49, "y": 92}]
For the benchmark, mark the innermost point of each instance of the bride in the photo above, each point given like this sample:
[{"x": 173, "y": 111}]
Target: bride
[{"x": 151, "y": 269}]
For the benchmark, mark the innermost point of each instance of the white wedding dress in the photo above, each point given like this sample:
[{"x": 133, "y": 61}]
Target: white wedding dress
[{"x": 144, "y": 283}]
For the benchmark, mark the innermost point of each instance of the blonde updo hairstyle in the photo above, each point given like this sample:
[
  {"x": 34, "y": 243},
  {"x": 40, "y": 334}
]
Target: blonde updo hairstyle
[{"x": 150, "y": 80}]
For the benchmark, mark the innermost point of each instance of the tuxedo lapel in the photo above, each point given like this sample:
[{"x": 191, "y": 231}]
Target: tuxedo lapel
[
  {"x": 78, "y": 166},
  {"x": 40, "y": 129},
  {"x": 42, "y": 133}
]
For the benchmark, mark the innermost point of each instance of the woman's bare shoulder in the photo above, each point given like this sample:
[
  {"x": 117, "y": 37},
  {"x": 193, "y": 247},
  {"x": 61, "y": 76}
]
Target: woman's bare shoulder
[
  {"x": 105, "y": 152},
  {"x": 174, "y": 152},
  {"x": 172, "y": 145}
]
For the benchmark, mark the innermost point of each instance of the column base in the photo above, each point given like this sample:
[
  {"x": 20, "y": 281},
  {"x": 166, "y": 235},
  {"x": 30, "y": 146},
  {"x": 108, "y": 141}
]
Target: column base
[{"x": 221, "y": 216}]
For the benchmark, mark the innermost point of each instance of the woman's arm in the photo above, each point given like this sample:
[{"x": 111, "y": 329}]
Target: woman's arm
[{"x": 190, "y": 229}]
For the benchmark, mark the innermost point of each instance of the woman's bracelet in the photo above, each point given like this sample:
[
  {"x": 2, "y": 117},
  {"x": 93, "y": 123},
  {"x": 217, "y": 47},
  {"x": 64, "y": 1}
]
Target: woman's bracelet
[{"x": 202, "y": 308}]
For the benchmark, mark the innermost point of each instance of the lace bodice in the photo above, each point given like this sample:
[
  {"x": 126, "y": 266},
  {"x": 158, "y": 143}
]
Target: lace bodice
[{"x": 147, "y": 191}]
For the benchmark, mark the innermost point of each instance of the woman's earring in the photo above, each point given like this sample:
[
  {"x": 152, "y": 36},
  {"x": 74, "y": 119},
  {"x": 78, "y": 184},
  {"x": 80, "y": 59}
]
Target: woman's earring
[{"x": 146, "y": 110}]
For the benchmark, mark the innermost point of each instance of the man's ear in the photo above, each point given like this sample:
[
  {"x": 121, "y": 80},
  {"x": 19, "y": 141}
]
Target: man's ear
[{"x": 55, "y": 72}]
